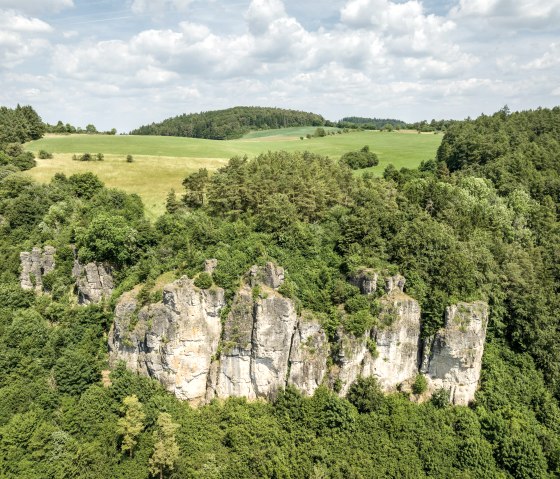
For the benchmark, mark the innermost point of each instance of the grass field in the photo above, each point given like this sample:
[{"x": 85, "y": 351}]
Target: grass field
[{"x": 161, "y": 163}]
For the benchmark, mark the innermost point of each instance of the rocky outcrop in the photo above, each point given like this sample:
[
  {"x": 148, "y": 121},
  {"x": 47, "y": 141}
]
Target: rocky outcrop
[
  {"x": 390, "y": 351},
  {"x": 173, "y": 341},
  {"x": 94, "y": 282},
  {"x": 34, "y": 265},
  {"x": 263, "y": 344},
  {"x": 210, "y": 265},
  {"x": 453, "y": 357},
  {"x": 308, "y": 356},
  {"x": 365, "y": 279},
  {"x": 256, "y": 348}
]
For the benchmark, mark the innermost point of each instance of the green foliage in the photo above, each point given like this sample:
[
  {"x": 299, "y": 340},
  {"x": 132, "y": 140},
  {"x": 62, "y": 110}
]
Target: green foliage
[
  {"x": 74, "y": 371},
  {"x": 203, "y": 280},
  {"x": 44, "y": 155},
  {"x": 366, "y": 395},
  {"x": 420, "y": 384},
  {"x": 229, "y": 124},
  {"x": 363, "y": 158}
]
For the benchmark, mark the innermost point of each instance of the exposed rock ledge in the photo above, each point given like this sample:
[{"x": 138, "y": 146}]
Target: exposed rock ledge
[
  {"x": 94, "y": 282},
  {"x": 34, "y": 265},
  {"x": 264, "y": 345}
]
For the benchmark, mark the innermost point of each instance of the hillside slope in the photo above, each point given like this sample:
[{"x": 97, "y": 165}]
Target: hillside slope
[{"x": 230, "y": 123}]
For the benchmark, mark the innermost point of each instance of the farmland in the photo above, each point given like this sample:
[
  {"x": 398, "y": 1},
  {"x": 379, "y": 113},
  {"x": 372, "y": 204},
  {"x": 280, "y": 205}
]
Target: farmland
[{"x": 161, "y": 163}]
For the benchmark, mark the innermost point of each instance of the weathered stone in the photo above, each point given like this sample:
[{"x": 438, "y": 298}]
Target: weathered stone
[
  {"x": 397, "y": 342},
  {"x": 257, "y": 338},
  {"x": 94, "y": 282},
  {"x": 270, "y": 275},
  {"x": 34, "y": 265},
  {"x": 455, "y": 354},
  {"x": 308, "y": 356},
  {"x": 173, "y": 341},
  {"x": 365, "y": 279},
  {"x": 395, "y": 282},
  {"x": 210, "y": 265}
]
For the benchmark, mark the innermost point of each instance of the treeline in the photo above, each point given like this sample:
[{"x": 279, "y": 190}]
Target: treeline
[
  {"x": 370, "y": 123},
  {"x": 62, "y": 128},
  {"x": 464, "y": 226},
  {"x": 19, "y": 125},
  {"x": 230, "y": 123}
]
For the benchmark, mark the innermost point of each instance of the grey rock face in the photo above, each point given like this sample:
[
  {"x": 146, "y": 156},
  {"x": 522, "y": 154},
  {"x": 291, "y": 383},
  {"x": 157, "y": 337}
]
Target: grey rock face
[
  {"x": 390, "y": 351},
  {"x": 393, "y": 283},
  {"x": 210, "y": 265},
  {"x": 34, "y": 265},
  {"x": 173, "y": 341},
  {"x": 308, "y": 356},
  {"x": 455, "y": 354},
  {"x": 257, "y": 338},
  {"x": 270, "y": 275},
  {"x": 366, "y": 280},
  {"x": 94, "y": 282}
]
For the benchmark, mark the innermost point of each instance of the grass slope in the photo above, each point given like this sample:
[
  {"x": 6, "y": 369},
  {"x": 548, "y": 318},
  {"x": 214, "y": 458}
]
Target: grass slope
[{"x": 161, "y": 163}]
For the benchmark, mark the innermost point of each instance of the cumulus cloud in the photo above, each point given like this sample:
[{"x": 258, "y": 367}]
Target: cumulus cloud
[
  {"x": 11, "y": 21},
  {"x": 262, "y": 13},
  {"x": 518, "y": 13}
]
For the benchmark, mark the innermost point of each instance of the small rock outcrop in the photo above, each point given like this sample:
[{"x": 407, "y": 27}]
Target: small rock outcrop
[
  {"x": 210, "y": 265},
  {"x": 94, "y": 282},
  {"x": 173, "y": 341},
  {"x": 34, "y": 265},
  {"x": 394, "y": 283},
  {"x": 365, "y": 279},
  {"x": 270, "y": 275},
  {"x": 454, "y": 355}
]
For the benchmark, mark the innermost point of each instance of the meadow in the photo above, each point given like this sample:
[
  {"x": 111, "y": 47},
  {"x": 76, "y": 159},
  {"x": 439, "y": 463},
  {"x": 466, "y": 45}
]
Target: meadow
[{"x": 161, "y": 163}]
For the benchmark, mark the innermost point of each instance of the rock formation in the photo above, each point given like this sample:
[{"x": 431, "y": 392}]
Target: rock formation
[
  {"x": 263, "y": 344},
  {"x": 365, "y": 279},
  {"x": 173, "y": 341},
  {"x": 94, "y": 282},
  {"x": 34, "y": 265},
  {"x": 453, "y": 357}
]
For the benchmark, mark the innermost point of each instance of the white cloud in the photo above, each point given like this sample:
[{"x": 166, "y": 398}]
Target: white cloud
[
  {"x": 262, "y": 13},
  {"x": 517, "y": 13},
  {"x": 15, "y": 22},
  {"x": 159, "y": 6},
  {"x": 37, "y": 6},
  {"x": 550, "y": 59}
]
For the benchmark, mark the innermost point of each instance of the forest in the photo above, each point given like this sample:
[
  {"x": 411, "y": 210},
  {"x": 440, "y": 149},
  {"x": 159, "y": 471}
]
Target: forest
[
  {"x": 478, "y": 221},
  {"x": 231, "y": 123}
]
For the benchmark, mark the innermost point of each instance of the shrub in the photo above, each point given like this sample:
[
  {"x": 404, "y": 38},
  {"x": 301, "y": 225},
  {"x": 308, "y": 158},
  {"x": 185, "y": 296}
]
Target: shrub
[
  {"x": 420, "y": 384},
  {"x": 203, "y": 281},
  {"x": 360, "y": 159},
  {"x": 129, "y": 158},
  {"x": 366, "y": 395},
  {"x": 99, "y": 157},
  {"x": 440, "y": 398},
  {"x": 44, "y": 155}
]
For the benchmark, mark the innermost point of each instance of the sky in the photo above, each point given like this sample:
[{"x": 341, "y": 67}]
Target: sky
[{"x": 124, "y": 63}]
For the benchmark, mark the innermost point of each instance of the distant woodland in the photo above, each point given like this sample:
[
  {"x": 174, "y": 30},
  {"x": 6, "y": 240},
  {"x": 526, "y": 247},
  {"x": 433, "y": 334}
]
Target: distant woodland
[{"x": 229, "y": 124}]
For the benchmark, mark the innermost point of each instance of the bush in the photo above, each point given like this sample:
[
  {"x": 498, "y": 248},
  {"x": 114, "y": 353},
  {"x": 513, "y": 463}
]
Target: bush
[
  {"x": 360, "y": 159},
  {"x": 44, "y": 155},
  {"x": 100, "y": 157},
  {"x": 25, "y": 161},
  {"x": 203, "y": 281},
  {"x": 440, "y": 398},
  {"x": 129, "y": 158},
  {"x": 420, "y": 384},
  {"x": 366, "y": 395}
]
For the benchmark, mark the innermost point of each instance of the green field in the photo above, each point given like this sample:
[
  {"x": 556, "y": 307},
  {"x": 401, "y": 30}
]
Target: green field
[{"x": 161, "y": 163}]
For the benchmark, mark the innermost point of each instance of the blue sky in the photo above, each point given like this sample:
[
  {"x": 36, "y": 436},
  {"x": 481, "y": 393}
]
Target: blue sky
[{"x": 125, "y": 63}]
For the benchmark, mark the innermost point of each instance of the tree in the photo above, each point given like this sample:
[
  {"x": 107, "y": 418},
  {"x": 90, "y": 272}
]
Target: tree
[
  {"x": 196, "y": 185},
  {"x": 131, "y": 425},
  {"x": 166, "y": 449},
  {"x": 91, "y": 128}
]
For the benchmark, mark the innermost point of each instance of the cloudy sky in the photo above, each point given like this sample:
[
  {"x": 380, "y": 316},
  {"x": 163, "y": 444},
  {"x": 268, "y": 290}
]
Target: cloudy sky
[{"x": 122, "y": 63}]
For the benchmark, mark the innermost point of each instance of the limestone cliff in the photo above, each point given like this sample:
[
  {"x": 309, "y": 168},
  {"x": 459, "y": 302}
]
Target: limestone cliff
[
  {"x": 94, "y": 282},
  {"x": 173, "y": 341},
  {"x": 262, "y": 344},
  {"x": 454, "y": 355},
  {"x": 34, "y": 265}
]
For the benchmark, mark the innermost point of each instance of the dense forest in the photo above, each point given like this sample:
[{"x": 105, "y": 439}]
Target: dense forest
[
  {"x": 480, "y": 221},
  {"x": 370, "y": 123},
  {"x": 229, "y": 124}
]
